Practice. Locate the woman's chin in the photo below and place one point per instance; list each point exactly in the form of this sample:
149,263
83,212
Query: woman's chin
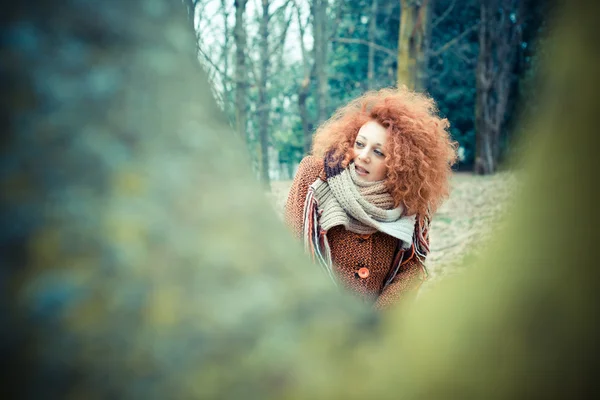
363,178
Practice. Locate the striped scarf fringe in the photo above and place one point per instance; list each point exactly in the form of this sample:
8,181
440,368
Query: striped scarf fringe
315,238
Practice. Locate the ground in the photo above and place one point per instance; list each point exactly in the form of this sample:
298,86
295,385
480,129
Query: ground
463,222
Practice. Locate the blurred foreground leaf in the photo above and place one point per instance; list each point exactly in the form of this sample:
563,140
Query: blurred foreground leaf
139,259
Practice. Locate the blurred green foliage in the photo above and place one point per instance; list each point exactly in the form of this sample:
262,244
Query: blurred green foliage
139,259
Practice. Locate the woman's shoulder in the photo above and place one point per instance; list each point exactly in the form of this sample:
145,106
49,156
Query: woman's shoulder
310,165
311,162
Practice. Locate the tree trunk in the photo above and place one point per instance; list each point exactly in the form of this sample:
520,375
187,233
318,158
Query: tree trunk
498,46
320,46
372,39
241,78
225,60
484,160
263,105
306,126
423,50
304,86
412,42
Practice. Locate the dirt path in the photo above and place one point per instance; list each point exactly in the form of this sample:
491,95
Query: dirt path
463,222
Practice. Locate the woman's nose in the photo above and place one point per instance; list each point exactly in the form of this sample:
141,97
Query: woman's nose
363,155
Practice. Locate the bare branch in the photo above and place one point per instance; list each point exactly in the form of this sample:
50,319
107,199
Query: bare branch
208,18
444,15
302,28
366,43
210,62
419,23
281,39
280,9
465,59
308,18
453,41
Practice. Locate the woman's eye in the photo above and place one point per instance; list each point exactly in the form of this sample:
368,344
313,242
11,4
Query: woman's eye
379,153
359,144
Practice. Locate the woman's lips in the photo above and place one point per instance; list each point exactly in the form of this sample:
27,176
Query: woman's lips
361,171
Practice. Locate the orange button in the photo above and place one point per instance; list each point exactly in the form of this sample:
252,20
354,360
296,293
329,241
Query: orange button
363,272
366,236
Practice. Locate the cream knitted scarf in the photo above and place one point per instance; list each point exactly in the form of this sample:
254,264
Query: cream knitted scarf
361,207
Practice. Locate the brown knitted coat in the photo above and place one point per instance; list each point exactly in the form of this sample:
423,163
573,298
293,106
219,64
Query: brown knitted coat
352,252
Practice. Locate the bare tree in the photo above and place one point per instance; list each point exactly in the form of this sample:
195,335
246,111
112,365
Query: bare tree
241,84
263,100
372,32
315,67
225,57
499,35
320,47
413,41
413,60
267,51
214,23
304,86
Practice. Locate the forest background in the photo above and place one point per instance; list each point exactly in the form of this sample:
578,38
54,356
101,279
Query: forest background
279,68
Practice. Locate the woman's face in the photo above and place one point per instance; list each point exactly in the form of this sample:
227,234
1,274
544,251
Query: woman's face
369,153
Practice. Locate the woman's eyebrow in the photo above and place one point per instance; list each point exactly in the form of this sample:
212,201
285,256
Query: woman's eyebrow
364,138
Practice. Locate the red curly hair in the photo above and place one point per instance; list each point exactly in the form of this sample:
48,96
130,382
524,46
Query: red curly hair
419,149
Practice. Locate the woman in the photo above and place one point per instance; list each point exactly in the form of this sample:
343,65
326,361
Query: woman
362,201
